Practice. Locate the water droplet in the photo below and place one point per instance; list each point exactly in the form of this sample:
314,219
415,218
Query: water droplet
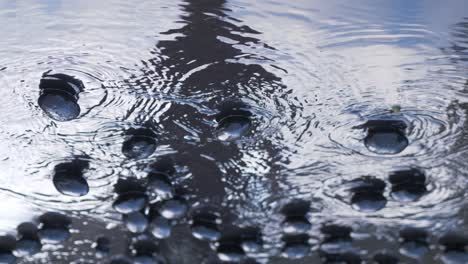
385,136
368,195
68,178
160,228
54,229
130,202
136,222
296,225
414,243
408,185
140,143
59,96
173,209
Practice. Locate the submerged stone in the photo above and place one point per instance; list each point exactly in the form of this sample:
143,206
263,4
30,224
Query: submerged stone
414,243
140,143
59,96
367,195
233,121
136,222
68,178
130,202
205,225
173,209
296,246
160,184
27,247
7,244
296,225
102,246
408,185
230,253
54,228
160,227
385,136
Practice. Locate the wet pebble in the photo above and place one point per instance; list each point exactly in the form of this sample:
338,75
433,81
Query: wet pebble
59,96
204,225
140,143
173,209
408,184
54,228
130,202
68,178
367,195
160,227
385,136
28,242
413,243
296,247
136,222
102,246
296,225
160,184
233,121
337,238
230,253
455,248
7,244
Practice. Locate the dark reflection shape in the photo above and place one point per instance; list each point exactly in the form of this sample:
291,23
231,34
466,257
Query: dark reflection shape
384,258
252,241
408,184
173,209
68,178
7,244
230,252
130,202
145,251
139,143
336,238
136,222
59,96
233,121
346,258
296,225
205,225
160,227
296,247
413,243
368,194
385,136
102,246
54,228
455,248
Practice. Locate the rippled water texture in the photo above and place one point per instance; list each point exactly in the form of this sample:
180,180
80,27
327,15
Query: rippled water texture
209,131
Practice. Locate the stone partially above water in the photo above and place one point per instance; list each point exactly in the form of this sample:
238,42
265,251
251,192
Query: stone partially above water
139,144
59,96
233,121
385,137
68,178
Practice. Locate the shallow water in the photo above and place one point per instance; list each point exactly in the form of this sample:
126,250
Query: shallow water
195,119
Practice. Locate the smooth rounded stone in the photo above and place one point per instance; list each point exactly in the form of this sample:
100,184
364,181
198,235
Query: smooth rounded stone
454,257
139,147
130,202
160,228
383,258
385,136
408,185
414,243
6,257
71,186
50,235
251,246
27,247
295,250
230,253
233,128
27,229
102,246
160,184
206,232
173,209
368,202
54,228
296,225
136,222
59,106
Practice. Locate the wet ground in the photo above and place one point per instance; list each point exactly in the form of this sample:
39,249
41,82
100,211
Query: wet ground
212,131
